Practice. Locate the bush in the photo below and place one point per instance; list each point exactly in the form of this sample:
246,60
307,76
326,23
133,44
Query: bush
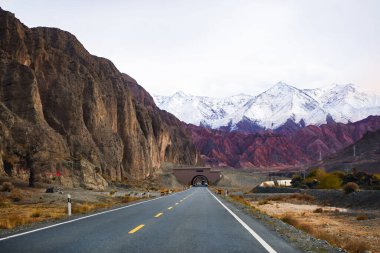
316,174
330,181
112,192
296,181
351,187
318,210
35,214
7,187
362,217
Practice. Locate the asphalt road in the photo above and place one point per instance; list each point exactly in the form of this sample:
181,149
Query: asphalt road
194,220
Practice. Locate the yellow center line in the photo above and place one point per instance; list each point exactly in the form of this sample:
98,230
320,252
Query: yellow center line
170,208
136,229
158,215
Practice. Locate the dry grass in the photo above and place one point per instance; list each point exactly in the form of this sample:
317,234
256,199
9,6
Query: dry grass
349,244
291,220
127,198
83,207
16,215
240,199
296,196
263,202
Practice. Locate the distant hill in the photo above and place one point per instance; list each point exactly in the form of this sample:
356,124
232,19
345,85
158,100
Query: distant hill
280,149
367,155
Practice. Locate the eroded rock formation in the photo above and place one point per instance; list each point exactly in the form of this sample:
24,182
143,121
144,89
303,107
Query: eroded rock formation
283,148
67,114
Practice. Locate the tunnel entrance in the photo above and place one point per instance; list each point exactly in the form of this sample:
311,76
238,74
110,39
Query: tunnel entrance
199,180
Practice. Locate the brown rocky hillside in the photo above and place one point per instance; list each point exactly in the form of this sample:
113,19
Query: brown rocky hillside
68,114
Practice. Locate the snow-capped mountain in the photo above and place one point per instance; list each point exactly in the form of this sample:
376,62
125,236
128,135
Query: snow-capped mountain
272,108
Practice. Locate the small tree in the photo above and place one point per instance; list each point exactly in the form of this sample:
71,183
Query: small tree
330,181
296,181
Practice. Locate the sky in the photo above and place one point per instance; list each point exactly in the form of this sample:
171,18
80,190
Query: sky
220,48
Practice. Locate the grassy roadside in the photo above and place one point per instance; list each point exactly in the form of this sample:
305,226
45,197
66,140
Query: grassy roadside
21,206
276,222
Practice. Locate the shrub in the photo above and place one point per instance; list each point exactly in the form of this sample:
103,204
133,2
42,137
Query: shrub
316,174
16,195
318,210
362,217
127,198
296,181
330,181
263,202
83,208
351,187
112,192
356,246
7,187
35,214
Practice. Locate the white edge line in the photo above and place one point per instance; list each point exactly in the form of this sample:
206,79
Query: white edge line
85,217
250,230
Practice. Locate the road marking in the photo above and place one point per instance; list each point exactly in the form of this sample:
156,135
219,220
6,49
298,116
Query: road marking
136,229
250,230
158,215
177,203
170,208
85,217
181,200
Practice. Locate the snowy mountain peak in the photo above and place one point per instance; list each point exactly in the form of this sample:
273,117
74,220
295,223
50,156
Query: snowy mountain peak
280,88
180,94
274,107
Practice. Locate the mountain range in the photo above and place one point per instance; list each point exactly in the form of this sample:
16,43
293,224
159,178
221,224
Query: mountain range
280,149
273,108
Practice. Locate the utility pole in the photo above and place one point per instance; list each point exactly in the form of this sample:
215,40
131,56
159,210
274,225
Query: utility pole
354,150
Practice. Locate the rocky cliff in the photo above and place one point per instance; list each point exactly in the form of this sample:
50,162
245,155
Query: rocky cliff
71,116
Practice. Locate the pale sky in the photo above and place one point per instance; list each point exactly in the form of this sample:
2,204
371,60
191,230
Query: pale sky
221,48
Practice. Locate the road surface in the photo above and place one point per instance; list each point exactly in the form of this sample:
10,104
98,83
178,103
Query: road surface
193,221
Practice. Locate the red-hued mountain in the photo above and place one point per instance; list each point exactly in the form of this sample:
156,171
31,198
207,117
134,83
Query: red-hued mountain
240,150
278,149
331,138
366,158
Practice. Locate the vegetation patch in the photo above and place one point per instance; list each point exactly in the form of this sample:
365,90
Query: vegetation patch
351,187
320,179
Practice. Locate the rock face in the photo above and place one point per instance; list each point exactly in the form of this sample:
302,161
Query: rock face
331,138
68,114
367,155
240,150
284,148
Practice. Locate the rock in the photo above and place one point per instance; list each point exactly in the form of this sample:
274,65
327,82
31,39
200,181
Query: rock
91,178
75,113
50,190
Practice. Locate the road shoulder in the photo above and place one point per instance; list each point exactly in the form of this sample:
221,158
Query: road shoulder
276,232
